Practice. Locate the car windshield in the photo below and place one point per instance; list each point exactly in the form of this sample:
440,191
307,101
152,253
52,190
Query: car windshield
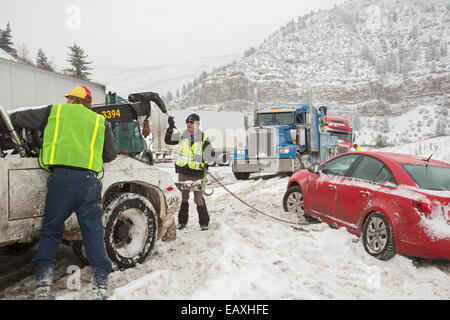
429,177
276,118
341,135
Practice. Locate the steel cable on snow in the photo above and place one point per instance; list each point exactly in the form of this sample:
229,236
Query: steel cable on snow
252,207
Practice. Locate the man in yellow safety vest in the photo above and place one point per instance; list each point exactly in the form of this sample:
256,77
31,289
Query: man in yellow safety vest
357,147
76,143
193,148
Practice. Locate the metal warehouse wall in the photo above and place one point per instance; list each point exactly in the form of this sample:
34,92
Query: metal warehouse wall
22,85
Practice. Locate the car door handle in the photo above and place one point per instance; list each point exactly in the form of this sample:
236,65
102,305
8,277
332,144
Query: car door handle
365,193
332,187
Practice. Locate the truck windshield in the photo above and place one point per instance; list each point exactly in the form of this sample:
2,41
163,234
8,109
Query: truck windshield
276,118
429,177
341,135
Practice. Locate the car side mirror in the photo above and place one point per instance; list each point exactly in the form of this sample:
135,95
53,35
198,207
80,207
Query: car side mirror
314,169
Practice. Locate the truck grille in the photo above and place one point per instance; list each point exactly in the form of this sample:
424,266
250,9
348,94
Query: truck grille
262,143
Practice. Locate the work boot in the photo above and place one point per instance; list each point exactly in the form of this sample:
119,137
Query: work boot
100,292
43,293
183,215
203,217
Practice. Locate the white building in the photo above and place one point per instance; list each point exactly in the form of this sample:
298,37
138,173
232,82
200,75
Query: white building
22,85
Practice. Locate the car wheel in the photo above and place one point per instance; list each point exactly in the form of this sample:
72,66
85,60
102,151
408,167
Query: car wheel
241,175
224,160
293,202
378,237
131,229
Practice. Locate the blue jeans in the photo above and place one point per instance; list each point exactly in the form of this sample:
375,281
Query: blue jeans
80,192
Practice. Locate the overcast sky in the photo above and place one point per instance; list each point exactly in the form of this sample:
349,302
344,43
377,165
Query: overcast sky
133,33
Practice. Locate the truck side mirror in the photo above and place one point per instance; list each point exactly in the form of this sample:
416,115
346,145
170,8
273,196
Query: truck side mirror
314,169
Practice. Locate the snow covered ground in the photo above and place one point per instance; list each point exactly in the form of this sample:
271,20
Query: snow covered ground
245,255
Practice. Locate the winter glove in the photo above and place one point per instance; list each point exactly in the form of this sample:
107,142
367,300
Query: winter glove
146,129
171,122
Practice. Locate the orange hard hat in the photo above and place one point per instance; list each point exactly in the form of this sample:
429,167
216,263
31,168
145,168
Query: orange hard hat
80,92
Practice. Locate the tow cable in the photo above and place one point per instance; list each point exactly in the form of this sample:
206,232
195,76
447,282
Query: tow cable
249,205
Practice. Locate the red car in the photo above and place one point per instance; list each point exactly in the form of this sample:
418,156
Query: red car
396,203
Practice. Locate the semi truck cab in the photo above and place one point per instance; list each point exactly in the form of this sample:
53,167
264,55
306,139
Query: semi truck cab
339,127
285,138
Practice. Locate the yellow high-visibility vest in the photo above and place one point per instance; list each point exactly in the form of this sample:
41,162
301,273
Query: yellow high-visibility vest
190,155
74,136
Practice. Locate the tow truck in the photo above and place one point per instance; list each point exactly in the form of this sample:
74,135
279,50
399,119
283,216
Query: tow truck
139,200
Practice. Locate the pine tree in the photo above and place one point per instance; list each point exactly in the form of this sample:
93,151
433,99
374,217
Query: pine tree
184,90
178,93
79,65
6,40
42,61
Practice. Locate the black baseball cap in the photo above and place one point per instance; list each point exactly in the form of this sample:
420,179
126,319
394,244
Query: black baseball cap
193,117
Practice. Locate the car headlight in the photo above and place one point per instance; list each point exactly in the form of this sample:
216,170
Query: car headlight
285,150
240,152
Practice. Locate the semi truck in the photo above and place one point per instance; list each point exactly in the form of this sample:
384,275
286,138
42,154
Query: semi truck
139,200
339,127
285,138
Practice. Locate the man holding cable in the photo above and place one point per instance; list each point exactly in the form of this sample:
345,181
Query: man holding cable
193,148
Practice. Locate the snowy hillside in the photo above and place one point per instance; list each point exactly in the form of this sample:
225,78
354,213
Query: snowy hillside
370,60
161,79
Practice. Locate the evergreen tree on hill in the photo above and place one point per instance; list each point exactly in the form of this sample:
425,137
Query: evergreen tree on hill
42,61
6,40
79,65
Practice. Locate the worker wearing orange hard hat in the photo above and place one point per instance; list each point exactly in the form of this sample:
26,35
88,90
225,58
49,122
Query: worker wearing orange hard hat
80,95
76,143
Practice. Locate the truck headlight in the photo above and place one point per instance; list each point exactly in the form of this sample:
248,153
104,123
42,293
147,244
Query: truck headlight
285,150
240,152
